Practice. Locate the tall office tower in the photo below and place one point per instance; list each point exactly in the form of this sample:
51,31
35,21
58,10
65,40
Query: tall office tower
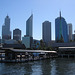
70,31
46,32
17,34
61,29
6,33
29,26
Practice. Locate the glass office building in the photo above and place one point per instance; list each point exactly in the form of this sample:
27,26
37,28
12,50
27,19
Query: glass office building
29,26
61,29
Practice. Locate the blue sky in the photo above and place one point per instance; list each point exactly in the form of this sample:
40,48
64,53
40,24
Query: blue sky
20,10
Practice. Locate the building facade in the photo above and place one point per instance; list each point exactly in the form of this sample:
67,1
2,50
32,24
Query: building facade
17,34
70,31
46,32
73,37
61,29
27,41
11,41
29,26
6,33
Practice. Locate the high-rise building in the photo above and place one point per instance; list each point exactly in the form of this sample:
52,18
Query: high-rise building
73,37
29,26
46,32
61,29
6,33
70,31
17,34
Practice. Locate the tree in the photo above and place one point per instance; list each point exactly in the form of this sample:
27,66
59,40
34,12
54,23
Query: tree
70,40
61,39
49,48
42,45
19,41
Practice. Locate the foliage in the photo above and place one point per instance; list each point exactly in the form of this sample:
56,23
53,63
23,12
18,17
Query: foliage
61,40
49,48
43,46
70,40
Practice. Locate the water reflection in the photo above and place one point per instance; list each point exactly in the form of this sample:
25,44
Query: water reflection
45,67
65,66
53,67
59,66
37,68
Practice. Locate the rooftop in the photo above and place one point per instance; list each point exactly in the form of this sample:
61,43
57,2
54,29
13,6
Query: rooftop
33,51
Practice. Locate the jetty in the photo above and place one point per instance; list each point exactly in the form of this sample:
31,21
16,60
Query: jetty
20,55
66,52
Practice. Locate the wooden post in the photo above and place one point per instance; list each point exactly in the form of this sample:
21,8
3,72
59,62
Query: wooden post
20,56
15,57
1,56
68,55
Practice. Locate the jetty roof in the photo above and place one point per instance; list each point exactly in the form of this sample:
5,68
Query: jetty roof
66,47
33,51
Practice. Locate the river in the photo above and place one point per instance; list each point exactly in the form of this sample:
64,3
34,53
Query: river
57,66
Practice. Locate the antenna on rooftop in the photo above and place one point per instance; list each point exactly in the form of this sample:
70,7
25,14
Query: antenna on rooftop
60,14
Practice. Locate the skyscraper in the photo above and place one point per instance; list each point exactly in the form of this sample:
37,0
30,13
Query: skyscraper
29,26
70,31
46,32
17,34
61,29
6,33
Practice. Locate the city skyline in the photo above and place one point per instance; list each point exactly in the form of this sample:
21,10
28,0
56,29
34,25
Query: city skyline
19,11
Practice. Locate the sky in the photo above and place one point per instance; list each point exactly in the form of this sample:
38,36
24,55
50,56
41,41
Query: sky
20,10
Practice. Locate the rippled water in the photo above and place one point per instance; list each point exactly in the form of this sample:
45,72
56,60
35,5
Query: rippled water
58,66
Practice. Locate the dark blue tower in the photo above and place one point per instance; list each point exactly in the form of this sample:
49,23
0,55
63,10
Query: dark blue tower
61,29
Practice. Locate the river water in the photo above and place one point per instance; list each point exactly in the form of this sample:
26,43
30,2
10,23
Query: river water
57,66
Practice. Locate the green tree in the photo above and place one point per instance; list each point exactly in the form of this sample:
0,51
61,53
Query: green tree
61,39
70,40
49,48
42,45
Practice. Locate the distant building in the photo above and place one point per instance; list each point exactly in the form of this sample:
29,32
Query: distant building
27,41
46,32
0,40
17,34
6,33
61,29
73,37
29,26
70,31
67,44
15,46
11,41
